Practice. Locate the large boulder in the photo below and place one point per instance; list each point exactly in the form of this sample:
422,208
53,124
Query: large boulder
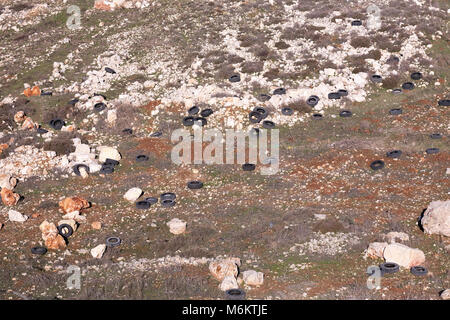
226,267
376,249
436,219
229,282
403,255
73,204
108,153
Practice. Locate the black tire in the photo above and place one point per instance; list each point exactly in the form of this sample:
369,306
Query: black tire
436,136
255,117
111,162
268,124
127,131
167,203
46,93
193,110
356,23
41,130
235,78
106,170
377,165
152,200
343,92
416,76
419,271
248,167
345,114
408,86
99,107
195,185
432,150
334,95
286,111
444,102
62,230
76,169
312,101
113,242
168,196
264,113
57,124
200,121
394,154
279,91
141,158
109,70
206,112
395,111
39,250
188,121
376,78
143,205
235,294
389,268
317,116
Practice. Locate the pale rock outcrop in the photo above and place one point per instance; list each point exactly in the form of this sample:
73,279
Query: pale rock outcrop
253,278
436,219
403,255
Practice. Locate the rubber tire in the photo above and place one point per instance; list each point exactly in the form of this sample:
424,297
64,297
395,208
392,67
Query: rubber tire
235,294
279,91
268,124
334,96
394,154
206,113
345,114
432,150
76,168
143,205
408,86
377,165
193,110
395,112
248,167
195,185
419,271
113,242
98,107
255,117
188,121
63,226
168,196
235,78
39,250
286,111
141,158
167,203
389,268
312,101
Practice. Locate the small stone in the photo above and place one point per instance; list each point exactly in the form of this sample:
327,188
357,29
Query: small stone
75,215
229,282
56,242
177,226
96,225
393,236
403,255
16,216
133,194
7,182
70,222
48,230
108,153
73,204
253,278
9,198
98,251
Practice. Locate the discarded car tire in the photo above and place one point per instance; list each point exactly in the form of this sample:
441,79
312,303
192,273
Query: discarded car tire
334,95
235,78
408,86
167,203
268,124
312,101
193,110
188,121
200,121
416,76
111,162
156,134
286,111
432,150
444,102
41,131
343,92
143,204
436,136
46,93
206,113
57,124
248,167
389,267
376,78
395,111
345,113
168,196
195,185
99,106
317,116
419,271
39,250
356,23
255,117
264,113
377,165
76,169
142,158
279,91
235,294
106,170
127,131
73,101
113,242
65,230
109,70
394,154
151,200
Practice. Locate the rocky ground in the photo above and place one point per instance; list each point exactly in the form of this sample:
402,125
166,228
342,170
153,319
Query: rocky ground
310,231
